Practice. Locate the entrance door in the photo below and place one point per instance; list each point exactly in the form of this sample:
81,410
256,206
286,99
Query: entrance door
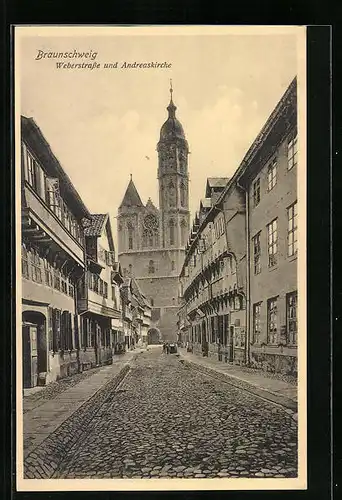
231,343
30,355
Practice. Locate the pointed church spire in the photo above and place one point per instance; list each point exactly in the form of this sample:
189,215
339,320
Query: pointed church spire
171,107
131,198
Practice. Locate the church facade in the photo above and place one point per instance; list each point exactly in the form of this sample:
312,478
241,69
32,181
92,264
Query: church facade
151,240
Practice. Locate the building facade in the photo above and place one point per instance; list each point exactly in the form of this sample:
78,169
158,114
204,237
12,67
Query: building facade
98,294
213,279
52,255
151,240
239,279
270,180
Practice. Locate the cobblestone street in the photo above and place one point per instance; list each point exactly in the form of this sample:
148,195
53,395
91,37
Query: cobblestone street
166,419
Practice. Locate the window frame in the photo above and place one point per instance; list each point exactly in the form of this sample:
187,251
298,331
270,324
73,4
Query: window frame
32,171
272,243
257,255
292,151
292,337
272,174
36,266
25,264
256,192
292,231
256,333
272,309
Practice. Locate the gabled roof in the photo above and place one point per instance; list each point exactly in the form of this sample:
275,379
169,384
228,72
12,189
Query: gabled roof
205,203
95,225
216,184
131,198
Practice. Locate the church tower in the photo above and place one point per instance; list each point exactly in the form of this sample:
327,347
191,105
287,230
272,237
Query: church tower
173,151
151,240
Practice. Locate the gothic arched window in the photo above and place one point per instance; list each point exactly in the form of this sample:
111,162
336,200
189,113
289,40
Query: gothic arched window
172,232
151,268
184,232
150,232
182,194
130,236
172,194
173,266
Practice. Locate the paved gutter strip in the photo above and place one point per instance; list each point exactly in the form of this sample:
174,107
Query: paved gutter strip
278,399
43,461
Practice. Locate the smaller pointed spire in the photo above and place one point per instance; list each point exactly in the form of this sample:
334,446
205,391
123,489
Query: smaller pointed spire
131,198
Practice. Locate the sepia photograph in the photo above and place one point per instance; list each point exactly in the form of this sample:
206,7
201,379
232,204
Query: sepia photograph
161,258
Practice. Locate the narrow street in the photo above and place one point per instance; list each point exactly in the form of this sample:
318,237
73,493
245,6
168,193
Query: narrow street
166,419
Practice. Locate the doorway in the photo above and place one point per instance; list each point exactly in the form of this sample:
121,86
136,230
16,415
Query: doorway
153,336
35,347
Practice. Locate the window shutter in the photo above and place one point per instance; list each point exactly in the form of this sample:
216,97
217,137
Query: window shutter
64,330
54,330
77,335
70,339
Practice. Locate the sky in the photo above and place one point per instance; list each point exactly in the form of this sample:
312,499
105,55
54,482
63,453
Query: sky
101,124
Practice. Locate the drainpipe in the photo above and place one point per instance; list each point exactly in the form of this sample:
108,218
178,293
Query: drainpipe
248,294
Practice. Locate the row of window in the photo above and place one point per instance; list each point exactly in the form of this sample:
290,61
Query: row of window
272,240
219,227
272,170
98,285
151,268
47,274
93,334
48,189
235,303
151,237
63,335
218,331
274,335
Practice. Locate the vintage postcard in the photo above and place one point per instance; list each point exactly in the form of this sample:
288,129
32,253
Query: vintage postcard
161,258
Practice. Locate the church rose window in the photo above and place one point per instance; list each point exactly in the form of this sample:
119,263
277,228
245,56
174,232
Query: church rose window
151,222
